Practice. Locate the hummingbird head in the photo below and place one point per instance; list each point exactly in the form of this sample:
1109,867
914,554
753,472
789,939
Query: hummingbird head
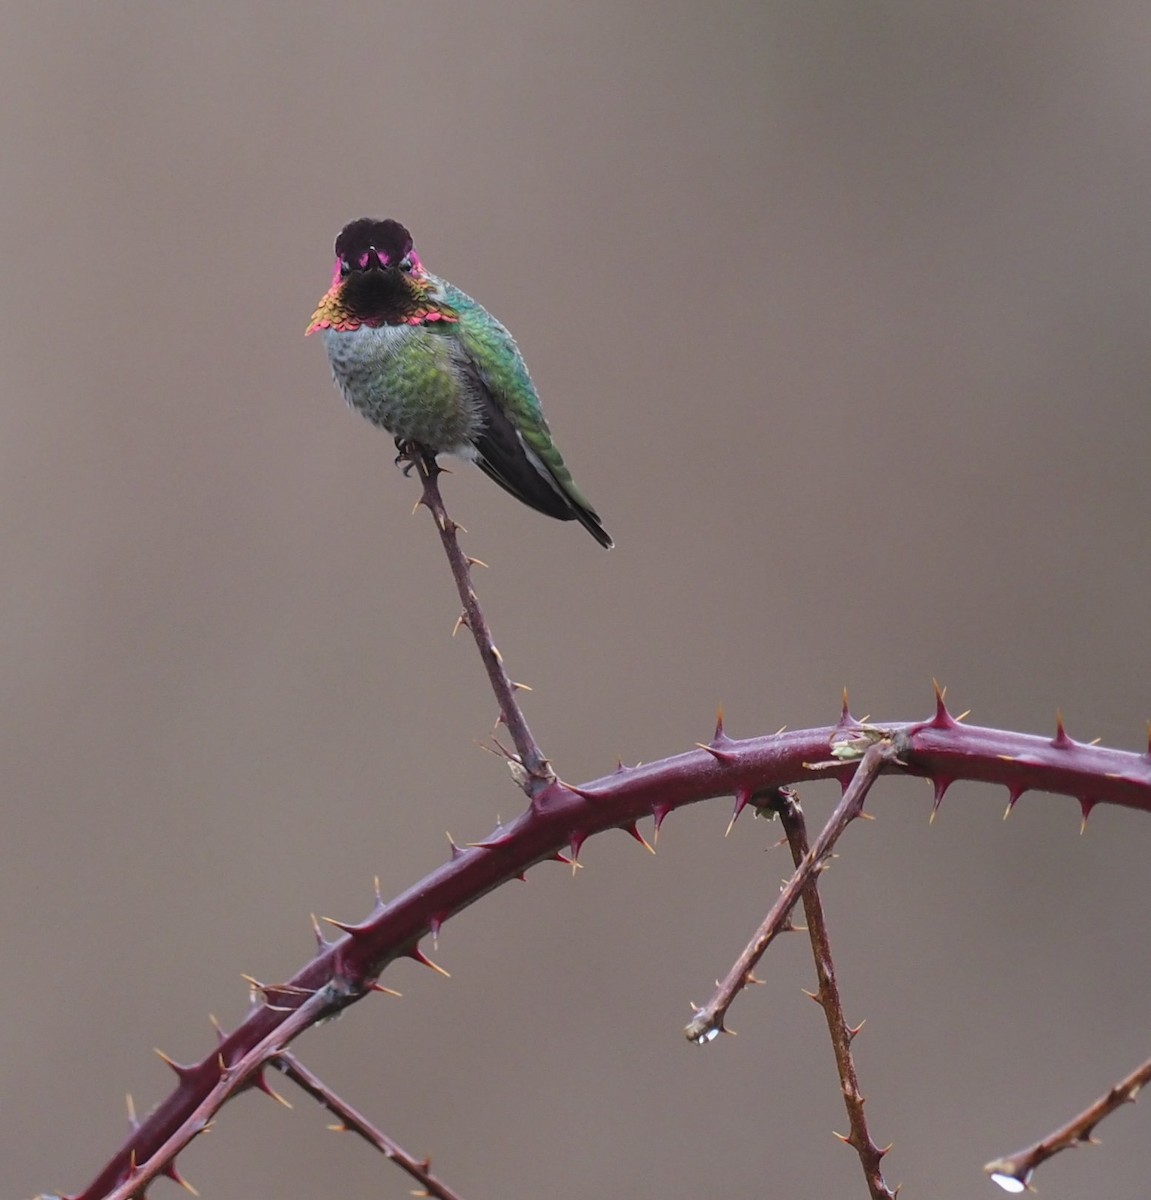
378,280
368,245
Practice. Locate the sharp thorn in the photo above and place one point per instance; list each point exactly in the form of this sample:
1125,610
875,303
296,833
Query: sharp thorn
1061,741
1085,805
342,926
743,797
942,719
416,953
721,756
177,1177
583,793
940,786
633,830
261,1081
181,1069
1013,794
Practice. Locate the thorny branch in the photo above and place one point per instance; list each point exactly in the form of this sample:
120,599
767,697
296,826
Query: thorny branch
939,749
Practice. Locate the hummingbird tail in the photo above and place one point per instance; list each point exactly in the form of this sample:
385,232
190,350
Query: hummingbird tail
518,471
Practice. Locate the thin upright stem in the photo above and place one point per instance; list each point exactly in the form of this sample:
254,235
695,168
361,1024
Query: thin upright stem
827,996
538,772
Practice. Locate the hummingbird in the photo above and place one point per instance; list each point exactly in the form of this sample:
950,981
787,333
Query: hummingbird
435,369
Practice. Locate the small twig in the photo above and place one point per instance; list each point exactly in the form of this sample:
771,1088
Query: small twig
707,1023
842,1034
538,770
1014,1172
356,1122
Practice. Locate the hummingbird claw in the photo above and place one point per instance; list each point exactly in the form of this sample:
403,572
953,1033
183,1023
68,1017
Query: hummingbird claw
412,452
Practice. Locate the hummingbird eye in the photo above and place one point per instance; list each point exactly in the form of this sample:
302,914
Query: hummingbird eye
406,265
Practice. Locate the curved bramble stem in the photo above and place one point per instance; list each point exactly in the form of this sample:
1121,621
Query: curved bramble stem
940,750
1014,1172
707,1023
356,1122
538,771
827,997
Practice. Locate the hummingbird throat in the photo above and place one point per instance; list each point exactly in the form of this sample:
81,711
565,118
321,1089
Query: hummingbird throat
375,298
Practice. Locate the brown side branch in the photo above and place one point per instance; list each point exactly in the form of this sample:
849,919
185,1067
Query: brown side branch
707,1023
1014,1172
355,1122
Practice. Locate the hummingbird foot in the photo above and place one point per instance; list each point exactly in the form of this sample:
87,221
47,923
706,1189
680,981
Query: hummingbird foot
411,452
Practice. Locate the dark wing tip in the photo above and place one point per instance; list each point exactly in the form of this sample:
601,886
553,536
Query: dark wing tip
591,522
505,462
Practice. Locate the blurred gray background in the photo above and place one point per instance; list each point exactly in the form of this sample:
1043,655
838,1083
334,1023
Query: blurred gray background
839,312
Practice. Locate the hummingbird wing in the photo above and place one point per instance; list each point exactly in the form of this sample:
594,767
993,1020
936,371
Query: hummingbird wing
515,446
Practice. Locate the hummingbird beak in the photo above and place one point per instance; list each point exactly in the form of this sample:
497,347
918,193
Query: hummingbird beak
370,260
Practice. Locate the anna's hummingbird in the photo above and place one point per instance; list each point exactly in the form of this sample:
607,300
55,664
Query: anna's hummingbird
438,371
